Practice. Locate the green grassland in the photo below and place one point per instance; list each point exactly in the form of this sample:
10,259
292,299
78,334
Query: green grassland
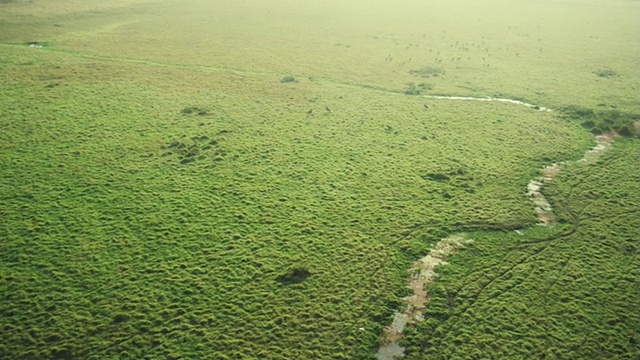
240,179
565,294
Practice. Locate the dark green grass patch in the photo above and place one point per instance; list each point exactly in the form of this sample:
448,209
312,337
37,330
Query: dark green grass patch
427,71
600,121
288,79
606,73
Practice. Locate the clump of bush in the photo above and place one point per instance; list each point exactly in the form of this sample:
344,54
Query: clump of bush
288,79
436,177
195,110
427,71
413,89
199,149
295,274
603,121
37,44
606,73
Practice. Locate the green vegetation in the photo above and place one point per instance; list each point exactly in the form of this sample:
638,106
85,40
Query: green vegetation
163,198
195,110
604,121
413,89
427,71
288,79
606,73
569,292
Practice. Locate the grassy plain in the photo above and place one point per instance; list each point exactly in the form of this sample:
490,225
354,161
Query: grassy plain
165,195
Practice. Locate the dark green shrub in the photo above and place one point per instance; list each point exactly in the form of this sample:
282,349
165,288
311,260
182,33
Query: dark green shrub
294,275
427,71
35,43
436,177
606,73
288,79
413,89
195,110
602,121
120,318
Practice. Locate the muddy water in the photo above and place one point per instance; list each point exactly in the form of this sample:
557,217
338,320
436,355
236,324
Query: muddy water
543,209
469,98
423,272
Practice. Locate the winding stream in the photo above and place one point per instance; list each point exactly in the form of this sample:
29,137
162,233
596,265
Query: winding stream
422,274
541,205
423,271
470,98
